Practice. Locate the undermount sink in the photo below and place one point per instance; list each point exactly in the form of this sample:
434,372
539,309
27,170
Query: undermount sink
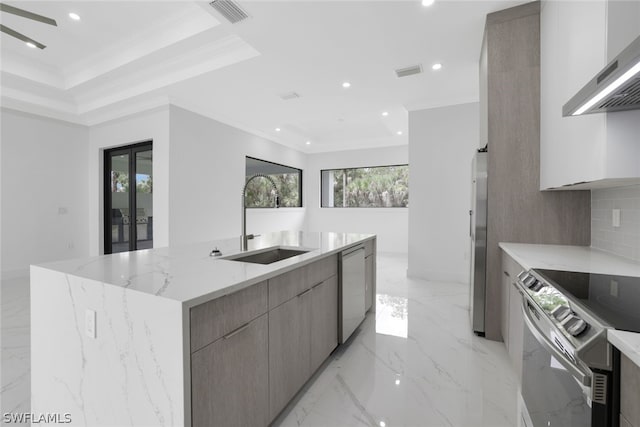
267,257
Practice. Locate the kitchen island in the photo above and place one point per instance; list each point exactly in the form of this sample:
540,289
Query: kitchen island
174,336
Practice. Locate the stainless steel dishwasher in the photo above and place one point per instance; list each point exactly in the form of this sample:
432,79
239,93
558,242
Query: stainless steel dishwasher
352,291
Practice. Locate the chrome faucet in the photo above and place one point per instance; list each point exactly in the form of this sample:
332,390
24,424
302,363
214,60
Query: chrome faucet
244,238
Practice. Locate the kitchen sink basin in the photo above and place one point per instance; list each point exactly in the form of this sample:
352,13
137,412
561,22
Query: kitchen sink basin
267,257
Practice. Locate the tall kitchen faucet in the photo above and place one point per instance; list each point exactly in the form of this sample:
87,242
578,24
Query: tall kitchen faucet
244,238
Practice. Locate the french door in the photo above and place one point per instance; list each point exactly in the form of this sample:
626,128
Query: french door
128,198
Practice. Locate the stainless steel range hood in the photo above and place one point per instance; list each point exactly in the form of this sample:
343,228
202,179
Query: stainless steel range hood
615,88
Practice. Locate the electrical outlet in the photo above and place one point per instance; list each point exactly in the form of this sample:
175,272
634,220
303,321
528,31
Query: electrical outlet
615,218
90,323
613,288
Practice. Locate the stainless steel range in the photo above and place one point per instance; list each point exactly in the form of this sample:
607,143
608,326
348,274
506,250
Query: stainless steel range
570,371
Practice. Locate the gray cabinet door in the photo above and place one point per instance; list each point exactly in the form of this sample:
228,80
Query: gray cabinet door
369,275
324,321
289,350
630,391
229,379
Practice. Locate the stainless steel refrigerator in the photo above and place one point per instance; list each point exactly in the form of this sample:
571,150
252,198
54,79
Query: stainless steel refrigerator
478,234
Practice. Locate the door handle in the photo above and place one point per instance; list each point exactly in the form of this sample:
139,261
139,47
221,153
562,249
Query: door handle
581,376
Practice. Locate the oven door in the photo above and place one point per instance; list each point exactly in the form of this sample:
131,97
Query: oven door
555,390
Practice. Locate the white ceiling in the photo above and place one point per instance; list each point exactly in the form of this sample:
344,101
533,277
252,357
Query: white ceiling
126,56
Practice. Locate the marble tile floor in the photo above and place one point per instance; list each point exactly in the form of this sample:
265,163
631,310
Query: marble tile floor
15,379
414,363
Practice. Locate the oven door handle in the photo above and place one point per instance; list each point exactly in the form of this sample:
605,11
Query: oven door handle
581,376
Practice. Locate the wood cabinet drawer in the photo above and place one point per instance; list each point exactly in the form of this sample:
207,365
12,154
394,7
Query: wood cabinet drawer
630,390
321,270
215,318
286,286
245,305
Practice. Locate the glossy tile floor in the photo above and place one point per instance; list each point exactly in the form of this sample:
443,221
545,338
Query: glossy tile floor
414,363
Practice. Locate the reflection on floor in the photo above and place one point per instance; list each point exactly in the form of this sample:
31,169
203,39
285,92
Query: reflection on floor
415,363
15,375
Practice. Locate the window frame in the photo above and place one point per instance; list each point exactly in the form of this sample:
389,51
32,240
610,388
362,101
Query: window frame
300,186
358,207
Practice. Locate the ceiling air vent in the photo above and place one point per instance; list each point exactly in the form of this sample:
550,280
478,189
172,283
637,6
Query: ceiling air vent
289,95
409,71
230,10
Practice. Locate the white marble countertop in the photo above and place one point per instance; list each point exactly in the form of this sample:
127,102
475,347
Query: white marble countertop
582,259
570,258
188,274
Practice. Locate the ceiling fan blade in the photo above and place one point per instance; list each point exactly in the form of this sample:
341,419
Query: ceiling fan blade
27,14
19,36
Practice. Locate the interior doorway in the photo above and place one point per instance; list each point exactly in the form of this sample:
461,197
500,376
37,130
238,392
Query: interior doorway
128,198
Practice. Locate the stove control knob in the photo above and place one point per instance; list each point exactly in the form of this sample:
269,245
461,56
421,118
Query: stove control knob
561,312
577,327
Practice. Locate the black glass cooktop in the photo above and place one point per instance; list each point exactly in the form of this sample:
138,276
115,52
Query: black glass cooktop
613,299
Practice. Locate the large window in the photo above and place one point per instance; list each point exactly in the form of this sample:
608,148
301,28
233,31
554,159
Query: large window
260,192
375,187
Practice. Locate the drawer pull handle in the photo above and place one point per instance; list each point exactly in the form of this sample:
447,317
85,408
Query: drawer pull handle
506,273
302,293
316,285
237,331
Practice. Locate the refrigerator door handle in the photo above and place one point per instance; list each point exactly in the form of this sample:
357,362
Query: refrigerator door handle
471,223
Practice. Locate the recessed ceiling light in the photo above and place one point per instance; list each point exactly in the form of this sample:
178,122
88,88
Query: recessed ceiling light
31,45
399,132
346,85
427,2
382,424
385,113
436,66
397,382
277,129
308,142
74,16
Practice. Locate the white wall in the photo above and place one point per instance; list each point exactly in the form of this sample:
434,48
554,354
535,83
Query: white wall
442,142
151,125
207,175
44,191
390,224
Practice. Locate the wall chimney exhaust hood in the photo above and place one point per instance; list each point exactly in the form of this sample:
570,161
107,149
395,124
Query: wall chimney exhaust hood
616,88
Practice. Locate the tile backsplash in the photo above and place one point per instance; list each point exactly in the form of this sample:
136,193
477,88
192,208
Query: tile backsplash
624,240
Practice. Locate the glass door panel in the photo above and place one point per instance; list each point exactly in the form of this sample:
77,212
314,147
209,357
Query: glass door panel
144,199
128,198
119,212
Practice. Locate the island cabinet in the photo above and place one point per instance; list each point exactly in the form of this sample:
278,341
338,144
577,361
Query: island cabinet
629,393
512,322
303,330
229,360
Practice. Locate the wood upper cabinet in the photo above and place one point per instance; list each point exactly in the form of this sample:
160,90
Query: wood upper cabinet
289,350
577,40
230,379
324,321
